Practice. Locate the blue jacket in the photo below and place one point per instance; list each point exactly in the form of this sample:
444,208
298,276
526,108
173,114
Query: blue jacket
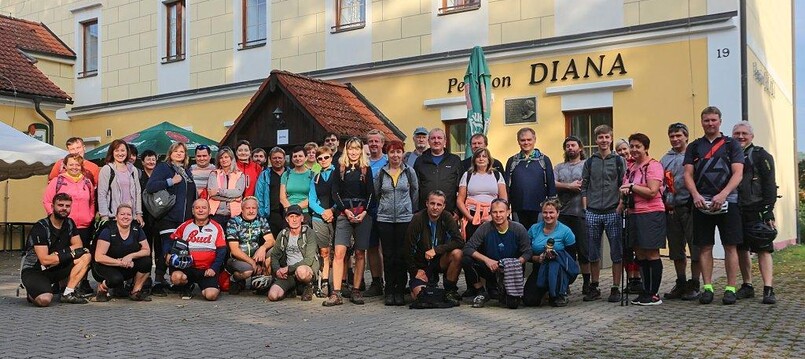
529,183
262,193
185,191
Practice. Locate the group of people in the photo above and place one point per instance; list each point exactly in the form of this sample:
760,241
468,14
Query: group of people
309,226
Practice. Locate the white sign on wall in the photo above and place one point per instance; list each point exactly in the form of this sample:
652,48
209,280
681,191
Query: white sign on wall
282,137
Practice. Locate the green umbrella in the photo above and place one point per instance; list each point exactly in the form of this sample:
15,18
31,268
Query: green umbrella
158,139
477,90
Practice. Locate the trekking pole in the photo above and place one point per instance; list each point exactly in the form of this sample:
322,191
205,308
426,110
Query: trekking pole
625,242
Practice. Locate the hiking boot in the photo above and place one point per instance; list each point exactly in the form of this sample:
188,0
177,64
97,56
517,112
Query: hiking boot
729,298
357,297
510,301
374,290
139,296
585,288
635,286
453,298
559,301
471,292
333,300
159,290
73,298
648,300
236,286
614,295
346,292
691,290
102,296
399,299
706,297
85,289
677,292
186,292
307,293
480,300
746,291
593,294
768,296
389,300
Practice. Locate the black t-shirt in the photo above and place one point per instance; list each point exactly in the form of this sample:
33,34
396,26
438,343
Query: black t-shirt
120,247
274,190
43,233
712,163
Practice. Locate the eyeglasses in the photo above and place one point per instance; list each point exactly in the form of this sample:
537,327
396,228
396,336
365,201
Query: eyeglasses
323,158
332,139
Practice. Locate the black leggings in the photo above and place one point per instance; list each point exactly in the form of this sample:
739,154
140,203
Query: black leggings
392,239
115,276
475,270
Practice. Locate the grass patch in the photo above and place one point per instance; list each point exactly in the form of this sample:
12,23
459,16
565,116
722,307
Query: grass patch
789,263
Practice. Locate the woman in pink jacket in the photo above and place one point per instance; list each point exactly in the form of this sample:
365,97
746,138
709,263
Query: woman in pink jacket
80,188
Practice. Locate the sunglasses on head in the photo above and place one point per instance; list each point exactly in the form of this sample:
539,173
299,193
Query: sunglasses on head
202,147
677,126
323,158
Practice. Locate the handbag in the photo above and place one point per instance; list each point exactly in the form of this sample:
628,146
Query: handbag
159,202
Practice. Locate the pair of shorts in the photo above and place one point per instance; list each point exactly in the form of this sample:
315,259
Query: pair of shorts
195,275
597,223
577,225
679,224
324,233
729,227
432,272
38,282
345,231
236,265
647,230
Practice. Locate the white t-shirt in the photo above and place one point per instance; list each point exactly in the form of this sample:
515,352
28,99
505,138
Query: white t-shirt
483,187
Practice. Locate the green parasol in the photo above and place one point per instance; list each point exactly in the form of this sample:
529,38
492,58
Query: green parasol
477,90
158,139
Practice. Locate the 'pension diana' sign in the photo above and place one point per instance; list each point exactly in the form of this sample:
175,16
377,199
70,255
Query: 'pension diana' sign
558,71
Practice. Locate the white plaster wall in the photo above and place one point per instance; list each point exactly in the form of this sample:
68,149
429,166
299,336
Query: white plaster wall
576,17
458,31
348,47
254,63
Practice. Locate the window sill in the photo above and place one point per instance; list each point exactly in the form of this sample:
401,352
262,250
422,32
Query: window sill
347,27
83,75
171,59
457,9
251,44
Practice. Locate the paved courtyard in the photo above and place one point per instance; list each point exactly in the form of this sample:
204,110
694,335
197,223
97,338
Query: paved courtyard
248,326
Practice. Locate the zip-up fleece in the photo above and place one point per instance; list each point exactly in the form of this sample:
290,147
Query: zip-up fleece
601,179
396,204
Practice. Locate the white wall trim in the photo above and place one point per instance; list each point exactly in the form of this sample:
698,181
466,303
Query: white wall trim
229,123
587,101
56,59
614,85
96,139
85,6
444,101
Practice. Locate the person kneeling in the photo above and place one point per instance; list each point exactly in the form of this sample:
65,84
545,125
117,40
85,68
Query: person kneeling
196,253
122,253
294,258
54,253
433,245
248,258
496,253
554,247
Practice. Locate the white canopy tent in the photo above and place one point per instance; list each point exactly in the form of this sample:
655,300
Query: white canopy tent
22,156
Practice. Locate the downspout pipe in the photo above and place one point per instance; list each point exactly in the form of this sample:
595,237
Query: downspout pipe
37,101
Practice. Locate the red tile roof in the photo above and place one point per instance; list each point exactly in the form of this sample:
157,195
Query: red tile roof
339,108
17,71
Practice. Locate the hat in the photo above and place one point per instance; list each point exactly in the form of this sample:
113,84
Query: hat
420,131
293,209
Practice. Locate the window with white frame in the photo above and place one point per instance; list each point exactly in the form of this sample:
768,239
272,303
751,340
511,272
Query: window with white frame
175,21
253,23
89,44
349,15
454,6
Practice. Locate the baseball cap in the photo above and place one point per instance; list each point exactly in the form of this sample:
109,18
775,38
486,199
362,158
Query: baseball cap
293,209
420,131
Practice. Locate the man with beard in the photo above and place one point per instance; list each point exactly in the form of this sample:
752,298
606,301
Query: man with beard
54,253
568,176
259,157
420,145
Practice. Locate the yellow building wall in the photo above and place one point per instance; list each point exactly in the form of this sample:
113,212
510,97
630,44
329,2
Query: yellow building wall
297,35
658,98
638,12
516,20
128,49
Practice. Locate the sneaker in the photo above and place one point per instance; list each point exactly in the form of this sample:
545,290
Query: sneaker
636,301
729,298
746,291
614,295
471,292
374,290
768,297
559,301
346,292
593,294
691,290
480,300
159,290
389,300
453,298
635,286
85,289
706,297
73,298
399,299
139,296
186,293
333,300
307,293
649,300
357,297
102,297
677,292
236,286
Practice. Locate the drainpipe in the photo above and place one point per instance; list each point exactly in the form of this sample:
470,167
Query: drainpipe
37,101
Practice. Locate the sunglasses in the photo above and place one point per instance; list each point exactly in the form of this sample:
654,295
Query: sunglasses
677,126
203,147
323,158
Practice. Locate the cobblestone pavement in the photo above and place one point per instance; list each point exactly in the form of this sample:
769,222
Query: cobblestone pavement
248,326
